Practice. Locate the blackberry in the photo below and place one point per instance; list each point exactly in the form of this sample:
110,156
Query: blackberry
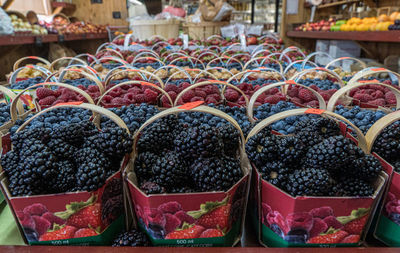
169,170
354,187
10,161
21,139
150,187
61,148
309,182
387,145
262,149
194,142
309,138
65,180
144,164
323,126
159,135
291,150
112,209
113,142
230,138
112,189
216,174
75,133
91,176
276,173
182,189
366,168
133,238
334,154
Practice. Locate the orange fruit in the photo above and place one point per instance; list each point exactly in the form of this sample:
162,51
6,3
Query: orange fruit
393,16
383,18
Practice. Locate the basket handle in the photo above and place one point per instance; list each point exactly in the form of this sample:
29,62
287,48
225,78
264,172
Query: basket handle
308,58
293,49
13,77
85,74
207,72
71,59
214,82
40,59
222,70
295,62
118,54
332,101
135,82
88,56
300,74
263,58
190,58
144,72
185,108
362,143
122,67
253,99
73,88
261,69
372,71
94,108
379,126
146,54
221,58
148,58
179,70
111,58
363,65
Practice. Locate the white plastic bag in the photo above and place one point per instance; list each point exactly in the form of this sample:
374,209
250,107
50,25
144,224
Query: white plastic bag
5,23
223,12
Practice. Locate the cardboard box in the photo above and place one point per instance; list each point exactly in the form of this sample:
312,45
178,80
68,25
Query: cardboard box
343,48
322,46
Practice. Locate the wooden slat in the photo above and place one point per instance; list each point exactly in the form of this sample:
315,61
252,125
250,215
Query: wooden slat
384,36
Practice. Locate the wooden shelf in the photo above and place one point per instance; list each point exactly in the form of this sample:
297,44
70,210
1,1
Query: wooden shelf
59,6
336,4
68,249
8,40
385,36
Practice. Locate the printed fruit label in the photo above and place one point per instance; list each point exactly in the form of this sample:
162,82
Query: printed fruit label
388,226
199,219
81,218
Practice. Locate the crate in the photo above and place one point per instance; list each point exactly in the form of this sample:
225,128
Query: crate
387,10
145,29
203,30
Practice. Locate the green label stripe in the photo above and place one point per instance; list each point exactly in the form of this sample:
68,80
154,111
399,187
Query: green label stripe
388,231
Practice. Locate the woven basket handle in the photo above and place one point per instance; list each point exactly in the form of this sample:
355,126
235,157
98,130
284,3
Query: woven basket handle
264,58
71,59
144,72
299,75
40,59
85,74
363,65
14,75
371,71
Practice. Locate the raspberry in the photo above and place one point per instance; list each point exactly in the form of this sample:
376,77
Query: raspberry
300,220
313,103
378,102
390,98
272,99
184,217
306,95
93,88
319,226
117,101
26,220
261,98
155,217
200,93
296,100
135,90
53,219
354,91
322,212
331,221
151,96
47,100
129,96
41,224
362,97
325,95
197,99
185,85
273,91
188,95
107,99
215,96
170,207
378,94
314,87
231,95
171,87
171,222
115,93
274,217
293,92
211,100
44,92
140,98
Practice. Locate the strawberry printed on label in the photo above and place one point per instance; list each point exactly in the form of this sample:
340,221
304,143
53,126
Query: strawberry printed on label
187,232
331,237
354,224
59,233
213,215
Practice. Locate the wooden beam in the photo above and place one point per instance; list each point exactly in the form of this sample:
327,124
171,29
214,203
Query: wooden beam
7,4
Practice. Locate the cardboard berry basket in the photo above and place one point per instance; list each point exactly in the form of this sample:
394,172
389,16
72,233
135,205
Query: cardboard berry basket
284,87
151,219
387,228
35,101
28,95
35,58
100,102
278,216
40,217
373,71
260,61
